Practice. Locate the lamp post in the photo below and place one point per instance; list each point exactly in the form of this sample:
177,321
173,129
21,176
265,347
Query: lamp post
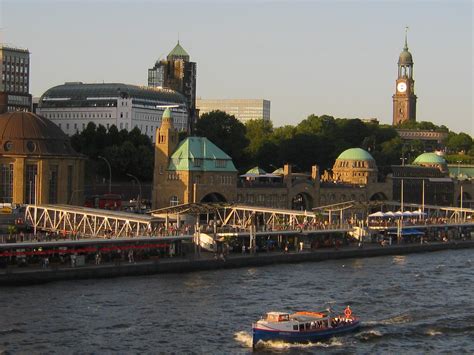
402,182
139,200
110,172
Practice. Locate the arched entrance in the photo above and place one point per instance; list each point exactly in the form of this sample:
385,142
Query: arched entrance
379,196
301,202
213,197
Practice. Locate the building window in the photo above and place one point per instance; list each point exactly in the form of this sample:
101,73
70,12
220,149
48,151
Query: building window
53,184
174,201
197,162
31,173
221,163
6,183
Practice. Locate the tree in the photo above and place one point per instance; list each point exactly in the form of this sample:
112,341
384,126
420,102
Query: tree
461,142
225,131
257,133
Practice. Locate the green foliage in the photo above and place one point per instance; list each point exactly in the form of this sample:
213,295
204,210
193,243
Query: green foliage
225,131
457,143
422,125
127,152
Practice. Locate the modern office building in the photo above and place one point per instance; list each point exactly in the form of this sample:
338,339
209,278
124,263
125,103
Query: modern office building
15,79
242,109
177,73
73,105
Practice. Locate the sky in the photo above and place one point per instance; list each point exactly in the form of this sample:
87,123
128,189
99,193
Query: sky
307,57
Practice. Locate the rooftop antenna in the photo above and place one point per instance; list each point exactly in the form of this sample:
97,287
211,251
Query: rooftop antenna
178,37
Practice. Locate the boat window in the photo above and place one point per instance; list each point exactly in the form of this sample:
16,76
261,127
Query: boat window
301,327
295,327
308,326
284,317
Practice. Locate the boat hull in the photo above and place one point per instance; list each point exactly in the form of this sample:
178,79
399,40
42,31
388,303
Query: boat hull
302,337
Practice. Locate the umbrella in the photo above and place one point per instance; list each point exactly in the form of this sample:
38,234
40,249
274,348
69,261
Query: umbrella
398,214
408,214
377,214
389,214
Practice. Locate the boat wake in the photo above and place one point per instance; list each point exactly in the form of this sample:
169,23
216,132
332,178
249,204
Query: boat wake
397,319
245,338
368,335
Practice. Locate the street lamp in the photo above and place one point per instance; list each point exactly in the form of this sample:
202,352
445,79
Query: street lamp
139,200
402,182
110,171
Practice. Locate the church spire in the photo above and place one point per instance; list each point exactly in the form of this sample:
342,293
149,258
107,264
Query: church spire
406,41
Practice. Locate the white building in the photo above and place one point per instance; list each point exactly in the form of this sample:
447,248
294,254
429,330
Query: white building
242,109
73,105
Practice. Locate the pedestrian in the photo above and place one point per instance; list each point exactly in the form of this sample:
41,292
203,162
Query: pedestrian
97,258
243,248
301,246
130,256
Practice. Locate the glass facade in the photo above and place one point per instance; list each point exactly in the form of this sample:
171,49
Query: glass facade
6,183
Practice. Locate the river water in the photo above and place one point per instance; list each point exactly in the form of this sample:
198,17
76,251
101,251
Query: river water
419,303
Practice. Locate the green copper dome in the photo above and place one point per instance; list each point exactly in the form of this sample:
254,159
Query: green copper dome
179,52
355,154
429,158
167,114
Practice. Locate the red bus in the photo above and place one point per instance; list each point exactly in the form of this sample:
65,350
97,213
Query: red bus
106,202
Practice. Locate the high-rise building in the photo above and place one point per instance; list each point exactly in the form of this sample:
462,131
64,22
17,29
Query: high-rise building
15,79
404,99
178,73
242,109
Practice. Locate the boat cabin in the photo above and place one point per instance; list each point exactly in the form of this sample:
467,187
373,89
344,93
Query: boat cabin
277,317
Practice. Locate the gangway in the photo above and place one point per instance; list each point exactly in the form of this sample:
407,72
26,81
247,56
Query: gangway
90,222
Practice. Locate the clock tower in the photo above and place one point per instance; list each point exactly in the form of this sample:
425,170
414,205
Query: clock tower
404,99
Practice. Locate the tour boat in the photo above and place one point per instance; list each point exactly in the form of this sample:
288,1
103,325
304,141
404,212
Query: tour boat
303,327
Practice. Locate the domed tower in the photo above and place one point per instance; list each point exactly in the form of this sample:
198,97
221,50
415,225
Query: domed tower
404,99
355,166
166,141
37,162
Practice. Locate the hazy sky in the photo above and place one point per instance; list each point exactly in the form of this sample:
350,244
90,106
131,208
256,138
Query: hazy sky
322,57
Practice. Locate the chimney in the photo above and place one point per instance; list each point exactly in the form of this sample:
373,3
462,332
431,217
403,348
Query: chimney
315,172
3,102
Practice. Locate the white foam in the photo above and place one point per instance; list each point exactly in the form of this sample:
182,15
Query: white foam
245,338
433,332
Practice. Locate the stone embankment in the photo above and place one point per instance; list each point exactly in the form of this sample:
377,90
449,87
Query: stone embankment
28,276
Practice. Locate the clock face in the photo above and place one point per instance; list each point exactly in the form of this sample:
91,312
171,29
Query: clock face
402,87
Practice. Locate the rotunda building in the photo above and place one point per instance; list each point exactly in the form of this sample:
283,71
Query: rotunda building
37,162
355,166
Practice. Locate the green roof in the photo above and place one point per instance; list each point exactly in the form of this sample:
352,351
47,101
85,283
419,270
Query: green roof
461,171
200,154
279,171
256,171
429,158
167,113
178,51
355,154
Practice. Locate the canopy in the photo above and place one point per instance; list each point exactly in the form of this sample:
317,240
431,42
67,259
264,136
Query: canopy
377,214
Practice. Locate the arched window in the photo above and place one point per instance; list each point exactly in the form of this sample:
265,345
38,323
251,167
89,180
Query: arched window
174,201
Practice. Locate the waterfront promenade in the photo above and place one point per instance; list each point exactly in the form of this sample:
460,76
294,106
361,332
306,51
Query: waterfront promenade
12,275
